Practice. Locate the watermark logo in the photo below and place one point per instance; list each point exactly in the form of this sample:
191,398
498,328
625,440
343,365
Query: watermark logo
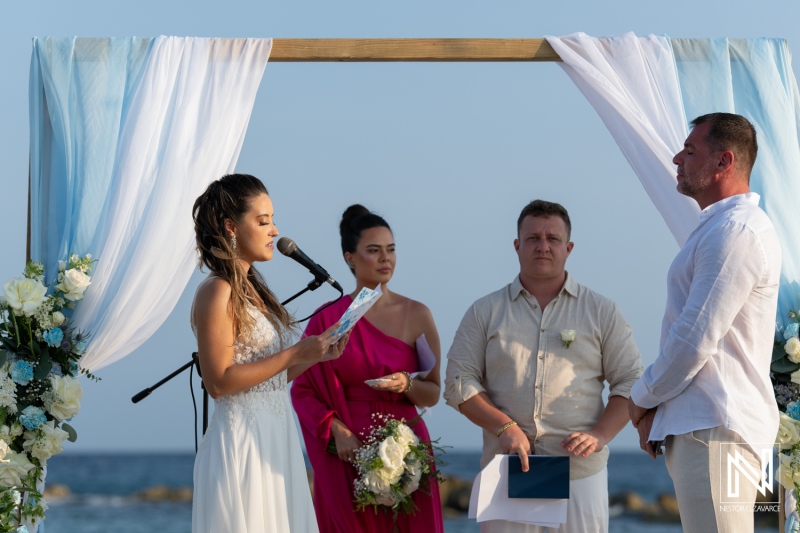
740,472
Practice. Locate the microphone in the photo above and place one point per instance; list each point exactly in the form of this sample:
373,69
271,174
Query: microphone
287,247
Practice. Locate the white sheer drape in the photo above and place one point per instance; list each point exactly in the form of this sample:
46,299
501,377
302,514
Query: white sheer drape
632,84
182,127
187,125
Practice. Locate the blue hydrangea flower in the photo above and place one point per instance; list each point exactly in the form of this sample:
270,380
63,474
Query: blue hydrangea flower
32,417
21,372
793,410
53,337
792,330
21,529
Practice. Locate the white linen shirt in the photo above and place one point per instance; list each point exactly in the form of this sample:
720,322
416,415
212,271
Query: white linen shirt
718,329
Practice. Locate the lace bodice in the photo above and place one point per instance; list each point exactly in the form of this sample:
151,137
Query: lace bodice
264,341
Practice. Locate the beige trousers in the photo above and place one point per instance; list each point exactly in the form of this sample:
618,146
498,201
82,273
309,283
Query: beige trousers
713,496
587,510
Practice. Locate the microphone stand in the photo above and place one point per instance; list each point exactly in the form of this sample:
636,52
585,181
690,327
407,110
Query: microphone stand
313,285
141,395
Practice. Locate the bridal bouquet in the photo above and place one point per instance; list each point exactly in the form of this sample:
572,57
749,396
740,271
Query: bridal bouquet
392,464
39,389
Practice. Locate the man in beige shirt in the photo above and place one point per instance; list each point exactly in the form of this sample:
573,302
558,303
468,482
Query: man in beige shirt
529,362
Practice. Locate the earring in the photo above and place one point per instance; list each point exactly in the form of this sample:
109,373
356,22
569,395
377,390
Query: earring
351,265
233,242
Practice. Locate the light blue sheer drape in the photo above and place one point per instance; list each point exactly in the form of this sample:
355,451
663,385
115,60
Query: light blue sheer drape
754,78
79,90
125,135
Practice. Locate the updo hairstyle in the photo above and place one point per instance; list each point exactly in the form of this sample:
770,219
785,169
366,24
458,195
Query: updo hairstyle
356,219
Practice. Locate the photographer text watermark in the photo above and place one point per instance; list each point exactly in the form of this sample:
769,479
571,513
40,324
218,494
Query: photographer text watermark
740,473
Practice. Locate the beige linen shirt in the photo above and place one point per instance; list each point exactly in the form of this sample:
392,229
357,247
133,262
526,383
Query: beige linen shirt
507,348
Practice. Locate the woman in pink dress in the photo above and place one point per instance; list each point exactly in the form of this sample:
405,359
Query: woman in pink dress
334,404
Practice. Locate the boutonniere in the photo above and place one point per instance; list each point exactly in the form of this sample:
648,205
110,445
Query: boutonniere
567,336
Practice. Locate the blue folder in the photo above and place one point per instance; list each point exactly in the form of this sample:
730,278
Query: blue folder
547,477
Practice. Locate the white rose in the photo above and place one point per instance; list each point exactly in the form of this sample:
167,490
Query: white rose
4,448
50,443
784,474
567,336
24,295
405,437
788,432
375,483
391,453
74,284
67,397
16,430
390,475
13,469
415,473
795,376
792,348
58,318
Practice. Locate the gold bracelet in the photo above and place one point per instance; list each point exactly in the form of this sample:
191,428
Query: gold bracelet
506,426
410,381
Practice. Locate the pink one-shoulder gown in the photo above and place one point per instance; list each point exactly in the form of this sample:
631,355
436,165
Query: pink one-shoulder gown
337,389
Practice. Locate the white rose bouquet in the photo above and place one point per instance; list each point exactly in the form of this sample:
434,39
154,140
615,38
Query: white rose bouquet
39,389
393,464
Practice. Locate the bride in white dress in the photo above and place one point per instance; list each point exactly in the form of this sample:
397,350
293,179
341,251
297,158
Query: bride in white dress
249,474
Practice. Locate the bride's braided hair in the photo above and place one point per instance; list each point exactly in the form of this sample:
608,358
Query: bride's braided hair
229,198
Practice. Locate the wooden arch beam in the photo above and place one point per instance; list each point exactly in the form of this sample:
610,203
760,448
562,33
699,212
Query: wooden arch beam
387,50
425,50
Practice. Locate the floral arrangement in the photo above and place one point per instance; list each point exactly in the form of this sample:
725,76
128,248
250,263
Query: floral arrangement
39,389
786,383
392,464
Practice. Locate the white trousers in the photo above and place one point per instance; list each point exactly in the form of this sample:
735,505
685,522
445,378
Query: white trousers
587,510
697,463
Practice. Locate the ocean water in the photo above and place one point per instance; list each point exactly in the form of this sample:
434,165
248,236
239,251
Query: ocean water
104,488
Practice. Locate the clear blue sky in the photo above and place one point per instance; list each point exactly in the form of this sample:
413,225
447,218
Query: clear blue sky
448,153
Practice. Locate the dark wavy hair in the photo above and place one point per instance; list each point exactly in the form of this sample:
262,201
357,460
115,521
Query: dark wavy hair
230,197
356,219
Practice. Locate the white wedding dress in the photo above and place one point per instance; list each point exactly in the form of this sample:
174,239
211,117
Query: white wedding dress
249,474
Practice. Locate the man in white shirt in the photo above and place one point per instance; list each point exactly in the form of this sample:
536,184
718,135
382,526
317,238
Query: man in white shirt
708,394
